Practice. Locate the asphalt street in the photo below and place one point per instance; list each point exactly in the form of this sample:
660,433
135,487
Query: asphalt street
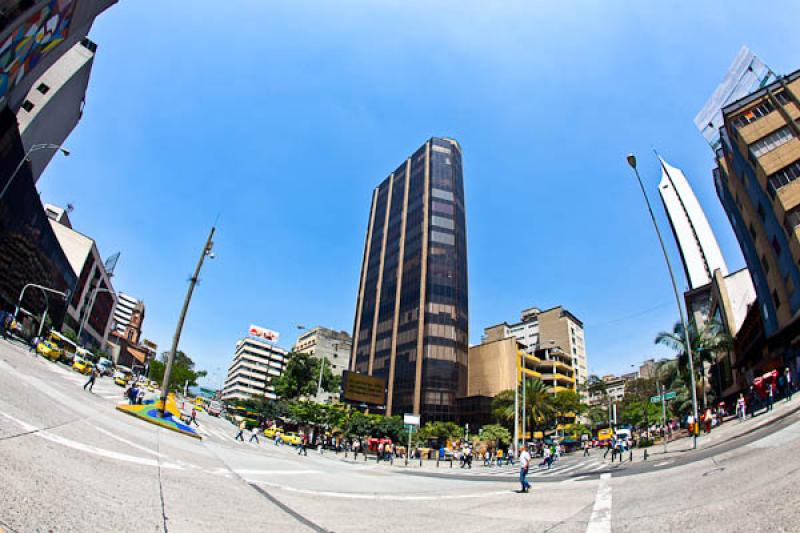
70,462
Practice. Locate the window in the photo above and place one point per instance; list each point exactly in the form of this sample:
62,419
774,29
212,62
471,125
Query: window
442,208
782,98
442,195
785,175
752,231
753,114
443,238
792,220
776,246
776,299
771,141
442,222
765,264
27,106
441,149
760,211
43,88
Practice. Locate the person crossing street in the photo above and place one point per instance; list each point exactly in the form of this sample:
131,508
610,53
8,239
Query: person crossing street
242,427
92,377
524,465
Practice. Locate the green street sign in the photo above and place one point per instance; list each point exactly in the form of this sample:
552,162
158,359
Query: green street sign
667,396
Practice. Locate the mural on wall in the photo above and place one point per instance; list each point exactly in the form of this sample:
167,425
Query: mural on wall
31,41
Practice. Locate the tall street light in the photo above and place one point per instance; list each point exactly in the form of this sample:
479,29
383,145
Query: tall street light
192,282
34,148
632,162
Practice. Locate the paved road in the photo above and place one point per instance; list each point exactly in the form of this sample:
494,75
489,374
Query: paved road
70,462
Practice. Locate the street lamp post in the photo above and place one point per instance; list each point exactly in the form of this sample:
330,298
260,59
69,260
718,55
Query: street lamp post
192,282
632,162
34,148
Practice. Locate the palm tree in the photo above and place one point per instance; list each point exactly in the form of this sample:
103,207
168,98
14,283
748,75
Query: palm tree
539,411
706,342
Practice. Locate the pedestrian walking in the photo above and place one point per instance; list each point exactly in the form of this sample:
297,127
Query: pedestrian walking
586,448
92,377
524,465
787,377
547,458
510,456
770,396
253,436
240,435
609,448
301,449
194,417
707,420
741,408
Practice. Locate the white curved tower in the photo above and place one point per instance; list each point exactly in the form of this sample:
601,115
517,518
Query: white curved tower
699,249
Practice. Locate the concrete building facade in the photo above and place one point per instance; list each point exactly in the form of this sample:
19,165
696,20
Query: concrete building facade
411,323
329,345
758,166
53,107
129,317
256,362
552,328
700,252
91,306
35,34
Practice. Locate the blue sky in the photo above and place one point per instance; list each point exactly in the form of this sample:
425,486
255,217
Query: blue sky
282,116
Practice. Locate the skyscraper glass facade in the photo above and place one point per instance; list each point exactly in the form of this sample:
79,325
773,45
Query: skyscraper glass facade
412,310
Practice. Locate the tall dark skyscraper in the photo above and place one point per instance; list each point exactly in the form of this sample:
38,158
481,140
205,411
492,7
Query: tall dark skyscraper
412,311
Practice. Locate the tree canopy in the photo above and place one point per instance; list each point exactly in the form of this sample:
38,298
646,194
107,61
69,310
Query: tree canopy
301,376
183,371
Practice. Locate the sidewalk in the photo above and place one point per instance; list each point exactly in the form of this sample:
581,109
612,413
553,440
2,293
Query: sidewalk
729,430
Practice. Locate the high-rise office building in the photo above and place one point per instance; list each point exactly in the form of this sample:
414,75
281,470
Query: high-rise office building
757,180
699,249
411,314
255,364
129,316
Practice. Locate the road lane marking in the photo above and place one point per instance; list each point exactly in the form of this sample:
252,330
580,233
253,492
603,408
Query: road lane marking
94,450
600,522
272,472
376,496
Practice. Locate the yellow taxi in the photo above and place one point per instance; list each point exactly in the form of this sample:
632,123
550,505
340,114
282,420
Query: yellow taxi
271,432
291,438
49,350
121,379
79,364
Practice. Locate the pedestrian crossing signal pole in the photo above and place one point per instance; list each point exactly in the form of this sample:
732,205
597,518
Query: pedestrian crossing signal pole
171,358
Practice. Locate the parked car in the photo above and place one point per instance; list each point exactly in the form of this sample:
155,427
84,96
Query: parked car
214,408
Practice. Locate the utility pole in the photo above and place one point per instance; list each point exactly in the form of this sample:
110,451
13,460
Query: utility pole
192,282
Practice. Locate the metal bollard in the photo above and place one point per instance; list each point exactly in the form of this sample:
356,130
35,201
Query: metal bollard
437,462
365,457
420,461
631,457
645,455
451,462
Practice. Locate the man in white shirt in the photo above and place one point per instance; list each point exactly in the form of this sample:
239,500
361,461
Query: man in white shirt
524,463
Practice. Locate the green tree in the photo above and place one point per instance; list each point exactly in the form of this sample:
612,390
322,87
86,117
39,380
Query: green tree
540,412
566,404
182,371
389,426
495,433
706,343
440,431
301,376
358,425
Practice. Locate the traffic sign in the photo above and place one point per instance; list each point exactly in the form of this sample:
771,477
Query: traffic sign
667,396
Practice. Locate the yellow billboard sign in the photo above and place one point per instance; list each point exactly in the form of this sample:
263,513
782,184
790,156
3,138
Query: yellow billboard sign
362,388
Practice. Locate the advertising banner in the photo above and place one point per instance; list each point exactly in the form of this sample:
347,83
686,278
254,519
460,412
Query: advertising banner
263,333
